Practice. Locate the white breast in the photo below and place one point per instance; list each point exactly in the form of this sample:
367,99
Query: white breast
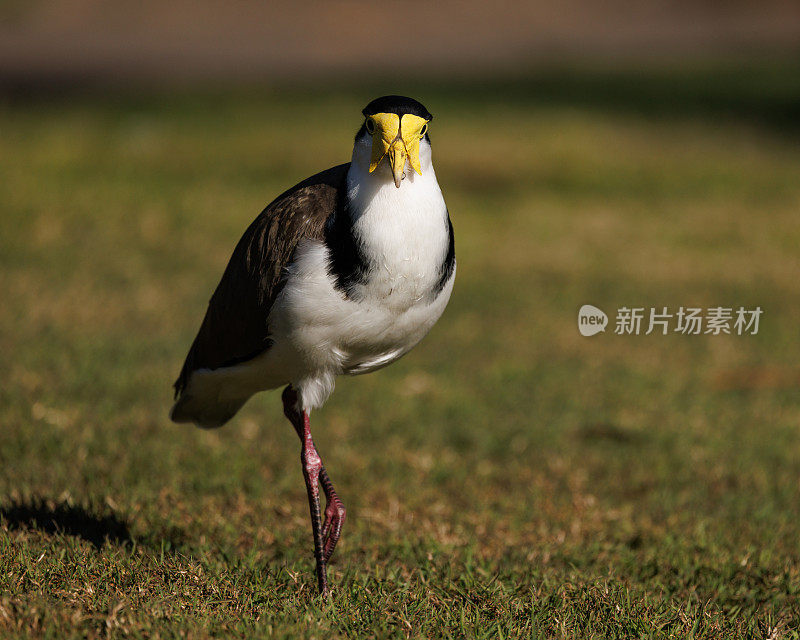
319,332
403,232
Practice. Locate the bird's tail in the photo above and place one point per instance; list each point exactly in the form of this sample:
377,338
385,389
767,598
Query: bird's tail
204,414
202,405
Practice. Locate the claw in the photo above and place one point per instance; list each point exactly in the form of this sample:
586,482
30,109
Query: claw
335,514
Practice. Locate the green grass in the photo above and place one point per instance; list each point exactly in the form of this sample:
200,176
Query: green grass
509,478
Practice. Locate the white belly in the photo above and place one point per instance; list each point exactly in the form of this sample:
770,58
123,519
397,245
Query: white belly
317,329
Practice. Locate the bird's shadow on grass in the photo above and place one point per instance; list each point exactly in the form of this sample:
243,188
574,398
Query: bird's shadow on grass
62,518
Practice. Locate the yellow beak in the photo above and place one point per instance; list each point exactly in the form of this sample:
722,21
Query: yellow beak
399,140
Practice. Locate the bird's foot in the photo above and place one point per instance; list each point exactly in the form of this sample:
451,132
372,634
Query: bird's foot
335,513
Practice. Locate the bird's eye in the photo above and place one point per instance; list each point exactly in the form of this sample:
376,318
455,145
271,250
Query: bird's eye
424,130
370,125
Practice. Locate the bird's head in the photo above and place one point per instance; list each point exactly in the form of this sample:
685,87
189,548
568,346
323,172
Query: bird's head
395,127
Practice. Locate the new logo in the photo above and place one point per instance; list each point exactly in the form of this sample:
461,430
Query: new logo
591,320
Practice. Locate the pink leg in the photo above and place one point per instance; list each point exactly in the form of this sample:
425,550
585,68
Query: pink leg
325,535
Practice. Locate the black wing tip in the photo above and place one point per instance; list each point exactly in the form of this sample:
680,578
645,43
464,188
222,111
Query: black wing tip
182,381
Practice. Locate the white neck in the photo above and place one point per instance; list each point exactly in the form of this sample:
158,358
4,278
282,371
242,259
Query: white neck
403,231
363,186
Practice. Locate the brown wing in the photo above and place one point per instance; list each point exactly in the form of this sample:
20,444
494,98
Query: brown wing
235,326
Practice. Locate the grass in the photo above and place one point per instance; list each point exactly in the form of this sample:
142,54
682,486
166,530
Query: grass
509,478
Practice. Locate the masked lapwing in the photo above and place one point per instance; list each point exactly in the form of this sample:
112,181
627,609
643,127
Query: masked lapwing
344,273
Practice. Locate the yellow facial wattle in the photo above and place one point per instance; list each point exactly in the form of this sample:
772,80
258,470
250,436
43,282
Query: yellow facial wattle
398,139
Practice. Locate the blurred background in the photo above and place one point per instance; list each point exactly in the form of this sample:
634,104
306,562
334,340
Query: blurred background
509,477
267,41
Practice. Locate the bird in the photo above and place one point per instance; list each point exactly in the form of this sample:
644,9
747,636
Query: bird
342,274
